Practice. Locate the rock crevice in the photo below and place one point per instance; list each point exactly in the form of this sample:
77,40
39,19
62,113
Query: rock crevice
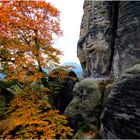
114,21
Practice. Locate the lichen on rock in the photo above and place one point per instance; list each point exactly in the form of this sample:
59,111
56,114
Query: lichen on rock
108,48
86,99
123,107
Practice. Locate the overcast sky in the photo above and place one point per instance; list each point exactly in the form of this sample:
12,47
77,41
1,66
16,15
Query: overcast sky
71,14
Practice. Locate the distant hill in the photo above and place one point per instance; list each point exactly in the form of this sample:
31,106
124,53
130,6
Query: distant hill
78,69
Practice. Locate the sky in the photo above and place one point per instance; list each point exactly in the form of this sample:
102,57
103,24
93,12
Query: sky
71,12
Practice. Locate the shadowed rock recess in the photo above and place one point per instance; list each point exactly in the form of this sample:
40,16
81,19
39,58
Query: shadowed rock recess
109,53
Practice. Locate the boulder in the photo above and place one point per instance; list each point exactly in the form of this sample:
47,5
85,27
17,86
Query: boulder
86,101
121,116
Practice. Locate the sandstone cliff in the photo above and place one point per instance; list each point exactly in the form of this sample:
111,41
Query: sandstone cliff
109,52
109,38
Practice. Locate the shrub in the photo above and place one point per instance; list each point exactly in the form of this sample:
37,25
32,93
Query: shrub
31,116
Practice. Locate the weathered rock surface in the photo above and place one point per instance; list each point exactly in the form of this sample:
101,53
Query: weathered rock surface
86,101
109,45
109,38
85,108
96,38
121,117
127,41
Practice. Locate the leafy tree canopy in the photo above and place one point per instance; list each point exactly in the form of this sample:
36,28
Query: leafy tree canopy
26,46
26,40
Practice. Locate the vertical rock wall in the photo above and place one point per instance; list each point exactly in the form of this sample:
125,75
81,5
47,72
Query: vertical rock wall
109,48
109,38
94,44
127,44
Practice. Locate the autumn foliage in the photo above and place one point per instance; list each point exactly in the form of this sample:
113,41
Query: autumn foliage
26,47
60,73
27,31
32,117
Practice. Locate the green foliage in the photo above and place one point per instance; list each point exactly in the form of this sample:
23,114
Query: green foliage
54,89
6,84
5,96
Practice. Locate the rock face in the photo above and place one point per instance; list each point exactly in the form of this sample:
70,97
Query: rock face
86,106
108,48
109,38
127,48
65,95
83,111
97,31
86,99
121,117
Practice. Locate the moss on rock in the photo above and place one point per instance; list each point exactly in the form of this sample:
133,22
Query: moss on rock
86,99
